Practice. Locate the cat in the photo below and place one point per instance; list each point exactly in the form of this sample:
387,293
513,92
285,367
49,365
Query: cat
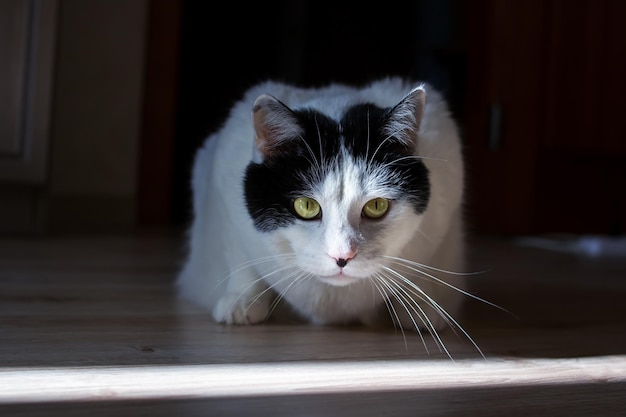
345,202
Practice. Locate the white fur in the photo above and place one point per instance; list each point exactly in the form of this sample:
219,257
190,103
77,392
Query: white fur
228,256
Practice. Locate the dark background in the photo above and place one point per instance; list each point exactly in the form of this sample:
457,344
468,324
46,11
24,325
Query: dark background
536,86
306,43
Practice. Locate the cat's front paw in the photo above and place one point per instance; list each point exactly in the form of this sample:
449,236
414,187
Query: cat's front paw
237,309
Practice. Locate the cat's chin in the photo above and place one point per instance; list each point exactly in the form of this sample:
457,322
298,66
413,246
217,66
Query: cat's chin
339,280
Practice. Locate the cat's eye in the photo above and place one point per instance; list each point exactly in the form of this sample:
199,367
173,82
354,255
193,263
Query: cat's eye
376,208
307,208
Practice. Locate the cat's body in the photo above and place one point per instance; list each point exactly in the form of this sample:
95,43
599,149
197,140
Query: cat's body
321,205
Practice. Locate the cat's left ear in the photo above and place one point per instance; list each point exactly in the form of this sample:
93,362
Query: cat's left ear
275,125
403,121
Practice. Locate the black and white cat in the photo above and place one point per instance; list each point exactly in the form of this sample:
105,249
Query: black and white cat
344,202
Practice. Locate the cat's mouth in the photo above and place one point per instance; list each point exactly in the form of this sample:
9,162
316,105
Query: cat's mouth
341,276
340,279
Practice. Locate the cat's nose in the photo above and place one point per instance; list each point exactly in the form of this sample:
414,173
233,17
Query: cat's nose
341,262
343,257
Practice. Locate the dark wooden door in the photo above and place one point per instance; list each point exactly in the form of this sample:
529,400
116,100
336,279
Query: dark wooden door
545,137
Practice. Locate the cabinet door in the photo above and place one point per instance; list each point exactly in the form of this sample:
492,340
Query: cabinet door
545,139
27,37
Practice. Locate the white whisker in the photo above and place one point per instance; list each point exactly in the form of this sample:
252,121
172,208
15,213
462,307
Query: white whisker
412,304
280,295
418,292
254,262
419,157
271,287
367,149
244,291
390,308
416,267
315,162
421,314
378,148
319,140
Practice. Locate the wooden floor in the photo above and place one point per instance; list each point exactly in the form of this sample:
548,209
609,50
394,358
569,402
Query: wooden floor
89,326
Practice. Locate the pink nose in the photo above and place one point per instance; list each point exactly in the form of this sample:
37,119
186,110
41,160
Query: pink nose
342,260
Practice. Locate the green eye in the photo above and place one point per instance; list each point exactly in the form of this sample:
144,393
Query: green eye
376,208
307,208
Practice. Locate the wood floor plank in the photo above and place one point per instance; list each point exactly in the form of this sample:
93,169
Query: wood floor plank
92,323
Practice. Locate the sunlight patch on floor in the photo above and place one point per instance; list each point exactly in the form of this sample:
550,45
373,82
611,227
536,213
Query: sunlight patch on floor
30,385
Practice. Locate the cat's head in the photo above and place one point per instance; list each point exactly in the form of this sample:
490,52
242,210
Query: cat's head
337,194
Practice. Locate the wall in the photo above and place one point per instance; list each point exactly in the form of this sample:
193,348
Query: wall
96,115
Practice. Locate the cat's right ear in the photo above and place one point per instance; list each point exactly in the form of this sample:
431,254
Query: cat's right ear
404,119
274,124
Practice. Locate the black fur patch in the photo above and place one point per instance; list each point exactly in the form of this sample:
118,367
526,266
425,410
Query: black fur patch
270,186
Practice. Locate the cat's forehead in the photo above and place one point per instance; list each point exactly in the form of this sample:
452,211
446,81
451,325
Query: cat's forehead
348,158
343,182
357,129
351,180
